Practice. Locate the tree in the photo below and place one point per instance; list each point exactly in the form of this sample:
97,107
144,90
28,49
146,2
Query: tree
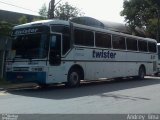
37,19
43,12
5,28
23,20
142,14
66,11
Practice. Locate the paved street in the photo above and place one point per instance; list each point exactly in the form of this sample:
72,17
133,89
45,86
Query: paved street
127,96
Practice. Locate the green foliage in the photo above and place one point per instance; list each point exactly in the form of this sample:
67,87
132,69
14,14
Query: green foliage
66,11
3,82
23,20
5,28
43,11
152,28
37,19
141,13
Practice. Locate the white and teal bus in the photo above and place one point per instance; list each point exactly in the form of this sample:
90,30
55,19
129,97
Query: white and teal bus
56,51
158,63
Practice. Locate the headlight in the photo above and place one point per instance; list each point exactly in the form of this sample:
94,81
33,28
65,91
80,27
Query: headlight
37,69
8,69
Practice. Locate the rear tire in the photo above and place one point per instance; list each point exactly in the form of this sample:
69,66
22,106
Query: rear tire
74,77
141,73
156,74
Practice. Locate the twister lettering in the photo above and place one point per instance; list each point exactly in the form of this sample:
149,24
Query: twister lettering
103,54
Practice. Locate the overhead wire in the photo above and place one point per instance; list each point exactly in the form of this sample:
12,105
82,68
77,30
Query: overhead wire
18,6
57,3
23,7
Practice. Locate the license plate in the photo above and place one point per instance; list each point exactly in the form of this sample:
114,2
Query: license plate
19,77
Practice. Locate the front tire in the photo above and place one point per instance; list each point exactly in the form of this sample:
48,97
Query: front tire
74,77
43,86
156,74
141,73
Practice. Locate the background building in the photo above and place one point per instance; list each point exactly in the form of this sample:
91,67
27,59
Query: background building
13,17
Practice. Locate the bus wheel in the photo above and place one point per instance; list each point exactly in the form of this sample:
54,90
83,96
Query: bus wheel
43,86
74,77
141,73
156,74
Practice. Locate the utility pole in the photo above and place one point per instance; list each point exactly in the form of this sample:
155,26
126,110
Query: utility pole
51,9
158,25
158,21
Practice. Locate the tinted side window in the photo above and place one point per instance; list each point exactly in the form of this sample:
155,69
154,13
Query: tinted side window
60,29
66,44
142,46
158,52
131,44
84,37
118,42
103,40
66,40
152,47
65,36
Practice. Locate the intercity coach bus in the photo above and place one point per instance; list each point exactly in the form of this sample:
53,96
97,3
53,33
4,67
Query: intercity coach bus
158,63
56,51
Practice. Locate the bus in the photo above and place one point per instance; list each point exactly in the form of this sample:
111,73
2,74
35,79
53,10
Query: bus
56,51
158,63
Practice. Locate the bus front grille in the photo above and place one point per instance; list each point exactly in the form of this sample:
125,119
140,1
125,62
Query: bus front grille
21,69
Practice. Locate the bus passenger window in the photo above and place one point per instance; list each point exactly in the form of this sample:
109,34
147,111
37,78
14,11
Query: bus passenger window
152,47
142,46
118,42
103,40
131,44
84,37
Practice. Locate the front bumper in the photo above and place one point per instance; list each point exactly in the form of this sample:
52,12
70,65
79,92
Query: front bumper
25,77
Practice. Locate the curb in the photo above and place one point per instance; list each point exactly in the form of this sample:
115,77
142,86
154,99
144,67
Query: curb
1,89
17,86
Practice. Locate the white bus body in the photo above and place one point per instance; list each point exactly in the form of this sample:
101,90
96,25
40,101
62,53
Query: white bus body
66,52
158,63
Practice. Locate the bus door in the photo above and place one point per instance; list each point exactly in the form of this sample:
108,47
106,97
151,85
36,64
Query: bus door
55,49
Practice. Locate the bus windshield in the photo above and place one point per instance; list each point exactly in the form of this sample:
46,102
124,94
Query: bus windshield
30,42
30,46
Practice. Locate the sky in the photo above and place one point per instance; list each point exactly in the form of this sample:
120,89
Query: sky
108,10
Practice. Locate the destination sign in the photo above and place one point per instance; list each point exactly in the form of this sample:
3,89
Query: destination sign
28,30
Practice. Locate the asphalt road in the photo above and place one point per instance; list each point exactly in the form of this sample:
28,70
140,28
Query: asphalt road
110,97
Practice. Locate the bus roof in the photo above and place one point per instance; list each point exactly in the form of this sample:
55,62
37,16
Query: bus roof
101,29
42,22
